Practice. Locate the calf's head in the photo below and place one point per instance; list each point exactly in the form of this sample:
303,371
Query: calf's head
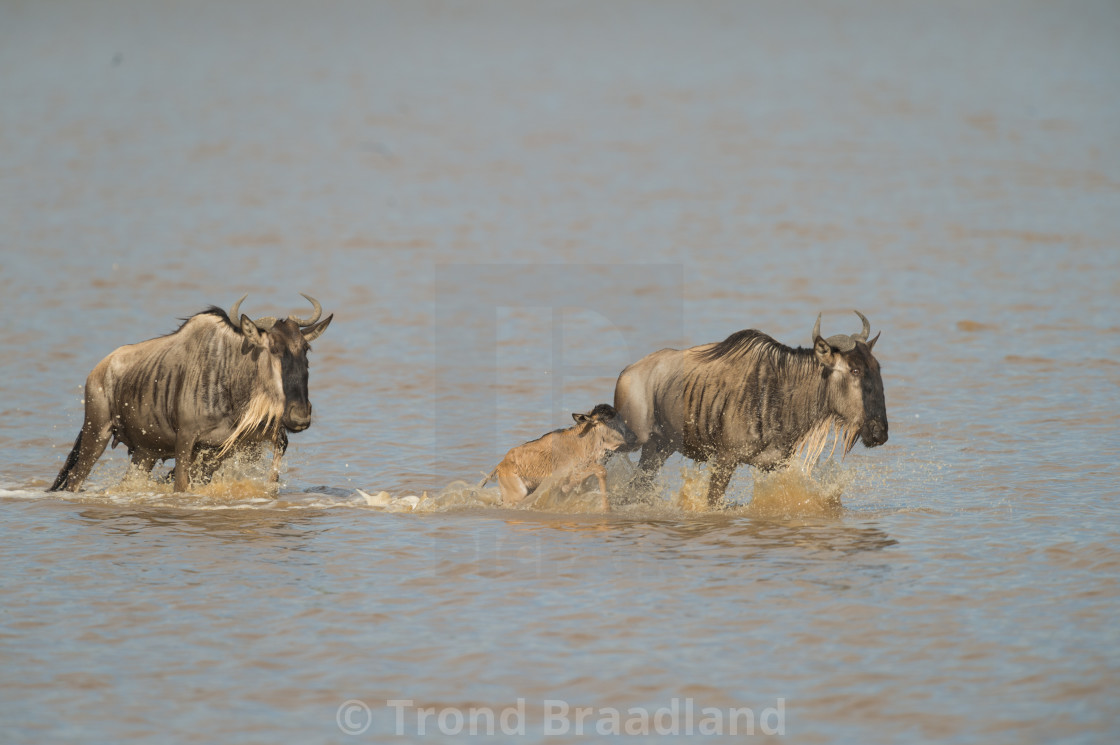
855,386
603,423
287,343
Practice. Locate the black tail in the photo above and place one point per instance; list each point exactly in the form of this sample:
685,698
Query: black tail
71,461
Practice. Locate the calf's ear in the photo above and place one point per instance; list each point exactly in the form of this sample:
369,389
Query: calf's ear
585,421
250,331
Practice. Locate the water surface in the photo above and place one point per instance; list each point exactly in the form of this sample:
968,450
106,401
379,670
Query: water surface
504,205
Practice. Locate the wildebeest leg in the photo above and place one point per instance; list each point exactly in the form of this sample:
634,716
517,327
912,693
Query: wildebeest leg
576,479
722,471
142,461
654,454
513,487
601,472
204,463
91,440
90,445
279,447
184,454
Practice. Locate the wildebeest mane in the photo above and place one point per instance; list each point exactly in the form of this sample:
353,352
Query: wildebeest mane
213,310
754,344
749,348
262,411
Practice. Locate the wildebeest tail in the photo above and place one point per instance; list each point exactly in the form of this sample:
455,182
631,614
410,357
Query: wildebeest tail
488,477
71,461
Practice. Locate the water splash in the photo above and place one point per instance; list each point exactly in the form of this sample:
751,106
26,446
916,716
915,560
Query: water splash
793,492
693,493
243,483
243,476
789,492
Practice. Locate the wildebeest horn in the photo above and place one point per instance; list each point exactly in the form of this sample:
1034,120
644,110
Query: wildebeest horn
862,336
842,342
314,316
233,315
264,324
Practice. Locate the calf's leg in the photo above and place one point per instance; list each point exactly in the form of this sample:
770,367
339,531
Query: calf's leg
601,472
513,487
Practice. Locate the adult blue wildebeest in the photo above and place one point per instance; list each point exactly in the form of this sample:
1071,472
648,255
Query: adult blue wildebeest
211,385
749,399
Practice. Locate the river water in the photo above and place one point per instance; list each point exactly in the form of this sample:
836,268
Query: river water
504,204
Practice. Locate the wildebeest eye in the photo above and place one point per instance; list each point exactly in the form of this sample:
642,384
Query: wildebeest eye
856,371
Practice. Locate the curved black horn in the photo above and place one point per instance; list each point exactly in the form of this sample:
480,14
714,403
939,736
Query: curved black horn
862,335
817,329
264,324
233,312
314,316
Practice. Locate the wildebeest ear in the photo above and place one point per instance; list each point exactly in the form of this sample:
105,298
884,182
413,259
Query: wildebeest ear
824,352
585,421
311,333
250,331
871,344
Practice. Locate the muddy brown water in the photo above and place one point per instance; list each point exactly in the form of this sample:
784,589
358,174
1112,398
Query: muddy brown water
504,204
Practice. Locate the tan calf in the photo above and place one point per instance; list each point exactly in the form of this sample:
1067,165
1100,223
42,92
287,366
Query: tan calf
577,452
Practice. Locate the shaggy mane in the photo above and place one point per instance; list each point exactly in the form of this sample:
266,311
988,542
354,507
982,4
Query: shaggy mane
754,344
750,347
213,310
263,411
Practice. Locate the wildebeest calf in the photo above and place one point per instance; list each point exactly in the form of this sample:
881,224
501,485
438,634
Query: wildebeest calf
578,451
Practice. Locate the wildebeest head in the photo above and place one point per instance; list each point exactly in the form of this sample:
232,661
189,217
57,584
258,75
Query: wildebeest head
855,386
287,342
605,422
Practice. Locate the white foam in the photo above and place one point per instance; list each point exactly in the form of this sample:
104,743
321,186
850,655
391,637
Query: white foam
22,493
